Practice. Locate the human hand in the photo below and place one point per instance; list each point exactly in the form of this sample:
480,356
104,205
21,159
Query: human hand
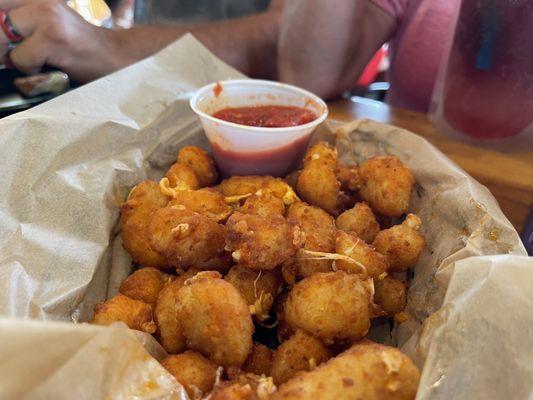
55,35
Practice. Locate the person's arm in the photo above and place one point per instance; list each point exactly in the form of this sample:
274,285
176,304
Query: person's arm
55,35
248,44
324,46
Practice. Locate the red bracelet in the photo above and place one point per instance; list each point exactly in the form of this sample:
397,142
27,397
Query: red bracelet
8,28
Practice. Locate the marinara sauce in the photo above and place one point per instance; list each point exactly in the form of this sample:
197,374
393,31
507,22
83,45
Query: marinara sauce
266,116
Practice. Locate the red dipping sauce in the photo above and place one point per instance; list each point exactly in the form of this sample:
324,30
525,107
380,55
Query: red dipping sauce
267,116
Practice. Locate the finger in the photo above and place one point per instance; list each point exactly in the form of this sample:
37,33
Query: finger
21,16
31,54
25,19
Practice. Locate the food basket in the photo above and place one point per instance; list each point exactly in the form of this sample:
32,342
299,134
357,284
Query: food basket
69,163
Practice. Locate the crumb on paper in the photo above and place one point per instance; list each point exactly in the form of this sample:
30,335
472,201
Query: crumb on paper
494,235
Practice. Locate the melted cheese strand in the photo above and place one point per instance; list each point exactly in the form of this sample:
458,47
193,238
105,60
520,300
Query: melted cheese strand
319,255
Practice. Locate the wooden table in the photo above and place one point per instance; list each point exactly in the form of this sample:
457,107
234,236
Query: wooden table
509,176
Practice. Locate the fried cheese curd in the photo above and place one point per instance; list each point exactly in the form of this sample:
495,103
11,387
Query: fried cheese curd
258,288
386,184
330,306
237,186
259,362
375,265
244,387
201,163
359,220
135,313
205,320
318,184
182,176
319,229
145,284
390,295
215,319
258,242
349,177
169,331
205,201
135,216
263,204
187,238
367,371
196,373
301,352
402,244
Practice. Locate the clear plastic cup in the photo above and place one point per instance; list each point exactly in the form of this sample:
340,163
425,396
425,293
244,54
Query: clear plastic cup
484,94
248,150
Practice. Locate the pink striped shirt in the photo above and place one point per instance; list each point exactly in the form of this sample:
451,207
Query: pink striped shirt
423,33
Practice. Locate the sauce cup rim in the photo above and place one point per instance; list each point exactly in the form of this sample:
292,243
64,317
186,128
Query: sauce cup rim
259,129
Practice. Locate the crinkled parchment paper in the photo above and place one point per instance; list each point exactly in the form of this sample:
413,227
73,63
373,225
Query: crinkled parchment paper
68,164
60,360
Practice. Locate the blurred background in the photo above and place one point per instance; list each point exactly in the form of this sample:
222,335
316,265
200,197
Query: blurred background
192,11
14,95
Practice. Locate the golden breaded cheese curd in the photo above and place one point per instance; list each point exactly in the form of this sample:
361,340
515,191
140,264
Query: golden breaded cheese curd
258,242
135,215
367,370
349,177
258,288
319,229
318,185
248,185
301,352
390,295
359,220
402,244
196,373
330,306
321,151
169,330
215,319
201,163
134,313
206,201
386,184
182,177
145,284
375,264
259,362
263,204
186,238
